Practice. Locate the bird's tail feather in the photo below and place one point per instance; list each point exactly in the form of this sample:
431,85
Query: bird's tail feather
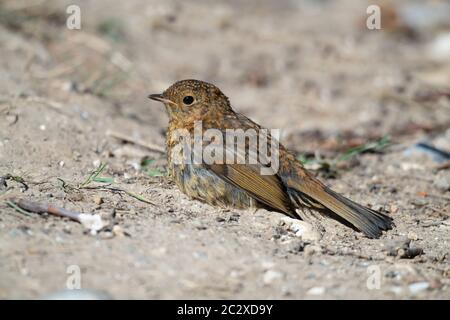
368,221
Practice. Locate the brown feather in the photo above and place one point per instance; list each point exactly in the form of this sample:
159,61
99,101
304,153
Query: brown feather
364,219
267,189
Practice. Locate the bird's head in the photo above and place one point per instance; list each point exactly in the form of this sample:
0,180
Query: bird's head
194,99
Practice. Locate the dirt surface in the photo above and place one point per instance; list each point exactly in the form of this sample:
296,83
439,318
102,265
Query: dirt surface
310,68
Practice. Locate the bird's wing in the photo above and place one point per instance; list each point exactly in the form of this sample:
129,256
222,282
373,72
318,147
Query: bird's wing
245,173
267,189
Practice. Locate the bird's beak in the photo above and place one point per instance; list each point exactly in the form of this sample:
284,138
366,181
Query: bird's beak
157,97
160,98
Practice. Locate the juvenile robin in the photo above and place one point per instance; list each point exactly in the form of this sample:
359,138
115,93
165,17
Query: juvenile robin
291,189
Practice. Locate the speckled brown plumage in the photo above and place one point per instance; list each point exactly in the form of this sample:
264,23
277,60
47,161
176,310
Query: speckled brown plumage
291,190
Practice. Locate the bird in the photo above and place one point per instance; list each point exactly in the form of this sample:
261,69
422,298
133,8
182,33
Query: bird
291,189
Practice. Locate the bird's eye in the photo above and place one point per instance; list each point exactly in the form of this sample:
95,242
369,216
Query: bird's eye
188,100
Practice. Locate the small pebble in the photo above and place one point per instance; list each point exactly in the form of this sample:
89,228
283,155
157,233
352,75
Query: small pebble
316,291
127,176
118,231
12,119
302,229
413,236
270,276
296,246
418,287
106,235
442,183
199,226
98,200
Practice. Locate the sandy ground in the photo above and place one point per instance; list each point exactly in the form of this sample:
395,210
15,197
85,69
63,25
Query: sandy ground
311,68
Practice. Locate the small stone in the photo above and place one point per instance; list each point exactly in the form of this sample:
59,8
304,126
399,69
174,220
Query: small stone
106,235
316,291
442,183
286,291
302,229
75,196
393,208
296,246
12,119
42,127
417,287
118,231
413,236
98,200
270,276
401,247
66,85
199,226
76,156
127,176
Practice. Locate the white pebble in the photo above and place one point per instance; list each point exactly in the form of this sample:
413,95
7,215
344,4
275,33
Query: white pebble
127,176
271,276
96,163
418,287
316,291
302,229
42,127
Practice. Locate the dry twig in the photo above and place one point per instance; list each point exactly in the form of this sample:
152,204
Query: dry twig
90,221
147,145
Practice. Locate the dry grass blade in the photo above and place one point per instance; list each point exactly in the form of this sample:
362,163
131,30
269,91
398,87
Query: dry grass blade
94,176
127,192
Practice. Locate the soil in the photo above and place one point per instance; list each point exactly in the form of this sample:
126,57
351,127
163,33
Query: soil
310,68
